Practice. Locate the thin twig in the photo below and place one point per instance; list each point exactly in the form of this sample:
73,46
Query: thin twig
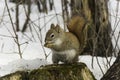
16,36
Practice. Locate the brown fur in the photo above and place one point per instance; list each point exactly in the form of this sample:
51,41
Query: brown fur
77,26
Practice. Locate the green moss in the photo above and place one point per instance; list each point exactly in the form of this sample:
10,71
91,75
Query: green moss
19,75
60,72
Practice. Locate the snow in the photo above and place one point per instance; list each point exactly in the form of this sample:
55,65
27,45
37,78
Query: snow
32,43
22,64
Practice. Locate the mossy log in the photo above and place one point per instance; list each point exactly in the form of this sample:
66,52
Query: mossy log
78,71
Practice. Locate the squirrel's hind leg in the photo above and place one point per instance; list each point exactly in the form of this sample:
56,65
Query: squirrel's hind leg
55,59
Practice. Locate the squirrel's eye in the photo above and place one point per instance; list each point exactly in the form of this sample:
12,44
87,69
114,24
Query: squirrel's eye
52,35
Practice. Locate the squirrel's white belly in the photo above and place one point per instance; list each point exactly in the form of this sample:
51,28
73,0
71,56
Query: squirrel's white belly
67,55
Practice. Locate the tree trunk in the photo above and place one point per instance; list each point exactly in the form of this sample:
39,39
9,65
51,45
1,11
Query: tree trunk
96,12
114,72
17,16
27,17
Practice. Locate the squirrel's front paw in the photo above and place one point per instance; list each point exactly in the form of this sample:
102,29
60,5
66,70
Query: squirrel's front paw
48,45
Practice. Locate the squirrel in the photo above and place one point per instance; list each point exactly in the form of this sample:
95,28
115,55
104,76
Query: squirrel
67,46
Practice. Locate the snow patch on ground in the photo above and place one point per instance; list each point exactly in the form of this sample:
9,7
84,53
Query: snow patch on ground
21,65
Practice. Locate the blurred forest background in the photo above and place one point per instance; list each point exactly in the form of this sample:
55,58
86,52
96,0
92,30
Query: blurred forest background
94,11
102,39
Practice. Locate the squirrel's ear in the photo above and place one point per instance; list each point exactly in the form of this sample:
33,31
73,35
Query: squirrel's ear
52,26
58,29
